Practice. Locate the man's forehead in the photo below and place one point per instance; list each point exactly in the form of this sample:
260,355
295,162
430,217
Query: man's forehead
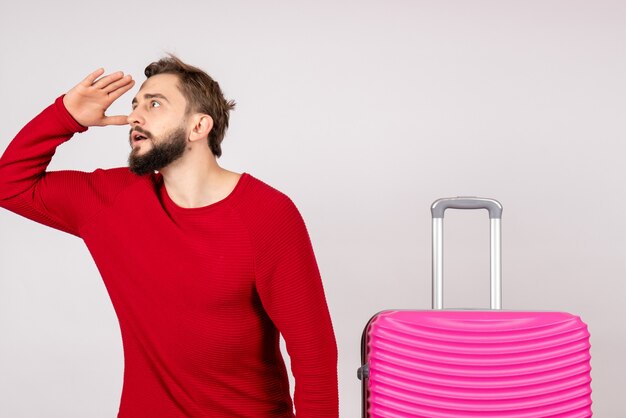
160,84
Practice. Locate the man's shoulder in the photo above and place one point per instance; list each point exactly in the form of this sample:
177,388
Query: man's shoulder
265,197
112,181
268,213
263,207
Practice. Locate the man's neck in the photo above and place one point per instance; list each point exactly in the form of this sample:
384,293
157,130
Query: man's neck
194,183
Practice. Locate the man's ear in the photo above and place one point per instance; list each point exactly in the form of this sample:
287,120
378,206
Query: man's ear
202,125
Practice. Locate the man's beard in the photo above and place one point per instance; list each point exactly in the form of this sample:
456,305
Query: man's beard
164,151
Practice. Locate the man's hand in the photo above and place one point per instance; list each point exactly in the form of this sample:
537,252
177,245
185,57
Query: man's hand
89,99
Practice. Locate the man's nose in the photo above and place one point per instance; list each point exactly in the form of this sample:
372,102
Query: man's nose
135,118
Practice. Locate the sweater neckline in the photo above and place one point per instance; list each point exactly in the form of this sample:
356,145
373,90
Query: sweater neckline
173,207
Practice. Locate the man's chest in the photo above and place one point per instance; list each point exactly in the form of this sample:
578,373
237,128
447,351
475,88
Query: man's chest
196,262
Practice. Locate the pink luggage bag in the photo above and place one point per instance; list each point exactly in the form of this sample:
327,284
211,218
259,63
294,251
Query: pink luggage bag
474,363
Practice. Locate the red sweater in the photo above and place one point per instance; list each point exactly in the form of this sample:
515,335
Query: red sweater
201,294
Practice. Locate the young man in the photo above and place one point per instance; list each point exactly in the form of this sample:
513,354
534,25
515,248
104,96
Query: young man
204,267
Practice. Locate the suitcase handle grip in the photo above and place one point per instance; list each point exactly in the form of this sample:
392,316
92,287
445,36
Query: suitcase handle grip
495,214
493,206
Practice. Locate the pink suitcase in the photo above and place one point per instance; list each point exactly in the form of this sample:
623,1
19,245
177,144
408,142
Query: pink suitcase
474,363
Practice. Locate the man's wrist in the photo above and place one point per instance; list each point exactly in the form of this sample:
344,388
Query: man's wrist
66,117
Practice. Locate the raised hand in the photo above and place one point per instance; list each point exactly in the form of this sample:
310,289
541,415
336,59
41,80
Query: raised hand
88,100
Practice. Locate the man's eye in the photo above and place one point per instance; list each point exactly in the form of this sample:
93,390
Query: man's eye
154,103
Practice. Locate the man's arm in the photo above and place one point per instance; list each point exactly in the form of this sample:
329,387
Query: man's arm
53,198
291,291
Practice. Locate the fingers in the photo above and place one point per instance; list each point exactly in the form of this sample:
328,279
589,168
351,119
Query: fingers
122,82
89,80
115,120
105,81
123,86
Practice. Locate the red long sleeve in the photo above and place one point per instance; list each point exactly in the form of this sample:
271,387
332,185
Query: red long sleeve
201,294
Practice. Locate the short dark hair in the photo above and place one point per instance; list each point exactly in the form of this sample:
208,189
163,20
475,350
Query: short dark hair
203,95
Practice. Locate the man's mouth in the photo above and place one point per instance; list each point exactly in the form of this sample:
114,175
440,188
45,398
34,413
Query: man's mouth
136,137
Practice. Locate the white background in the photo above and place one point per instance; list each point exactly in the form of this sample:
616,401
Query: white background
364,113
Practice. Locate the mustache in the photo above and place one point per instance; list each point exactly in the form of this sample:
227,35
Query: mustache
139,129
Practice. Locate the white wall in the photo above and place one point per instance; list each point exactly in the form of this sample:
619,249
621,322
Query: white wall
364,113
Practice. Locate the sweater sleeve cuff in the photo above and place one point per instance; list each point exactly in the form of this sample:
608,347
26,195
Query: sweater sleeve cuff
65,118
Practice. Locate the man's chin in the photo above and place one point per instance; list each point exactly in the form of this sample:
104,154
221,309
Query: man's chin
138,165
140,171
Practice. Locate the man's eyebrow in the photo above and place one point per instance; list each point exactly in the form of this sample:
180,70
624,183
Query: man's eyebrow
149,96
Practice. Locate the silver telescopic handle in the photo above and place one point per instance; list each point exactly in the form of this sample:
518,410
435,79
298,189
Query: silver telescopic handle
494,207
